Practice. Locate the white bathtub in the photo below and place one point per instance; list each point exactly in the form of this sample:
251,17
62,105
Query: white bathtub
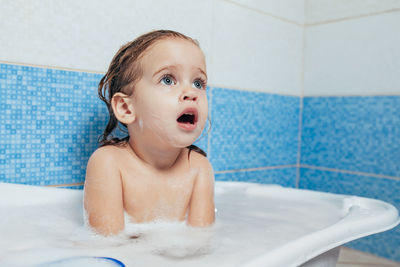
256,225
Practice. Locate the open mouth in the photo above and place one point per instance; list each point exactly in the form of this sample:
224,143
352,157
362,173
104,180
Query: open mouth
188,119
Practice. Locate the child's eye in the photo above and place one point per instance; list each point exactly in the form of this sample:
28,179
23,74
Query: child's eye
199,84
167,80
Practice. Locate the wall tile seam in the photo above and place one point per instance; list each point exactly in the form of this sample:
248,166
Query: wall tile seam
217,172
301,103
212,85
210,120
24,64
274,168
374,175
262,12
216,86
299,142
258,169
351,18
65,185
251,90
305,24
351,95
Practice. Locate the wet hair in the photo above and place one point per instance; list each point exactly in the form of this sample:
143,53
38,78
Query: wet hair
123,73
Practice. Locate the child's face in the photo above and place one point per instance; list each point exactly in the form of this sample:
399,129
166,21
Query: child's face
170,98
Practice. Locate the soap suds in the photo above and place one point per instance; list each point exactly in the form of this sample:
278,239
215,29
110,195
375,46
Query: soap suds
246,226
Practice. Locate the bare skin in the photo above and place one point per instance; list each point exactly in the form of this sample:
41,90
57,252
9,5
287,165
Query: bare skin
154,177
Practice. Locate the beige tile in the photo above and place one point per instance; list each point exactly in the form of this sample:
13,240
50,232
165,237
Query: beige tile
350,257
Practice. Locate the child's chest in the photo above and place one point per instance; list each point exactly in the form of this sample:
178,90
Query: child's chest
150,195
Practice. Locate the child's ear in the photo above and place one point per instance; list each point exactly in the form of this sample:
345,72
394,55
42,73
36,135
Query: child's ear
123,108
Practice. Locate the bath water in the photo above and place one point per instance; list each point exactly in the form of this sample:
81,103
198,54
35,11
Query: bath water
47,225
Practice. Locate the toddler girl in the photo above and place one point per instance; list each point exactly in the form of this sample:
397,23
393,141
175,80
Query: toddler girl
155,87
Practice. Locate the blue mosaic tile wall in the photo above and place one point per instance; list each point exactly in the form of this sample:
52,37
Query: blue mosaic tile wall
50,123
358,139
252,130
50,120
352,133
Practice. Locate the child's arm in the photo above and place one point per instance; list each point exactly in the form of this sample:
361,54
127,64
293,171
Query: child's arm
103,199
202,208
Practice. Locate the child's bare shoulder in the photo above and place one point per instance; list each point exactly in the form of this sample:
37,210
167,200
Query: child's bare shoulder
108,153
201,162
106,159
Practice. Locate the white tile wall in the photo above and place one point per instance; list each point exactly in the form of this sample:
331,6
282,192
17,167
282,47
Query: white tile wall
86,34
354,57
291,10
318,11
244,49
253,45
256,52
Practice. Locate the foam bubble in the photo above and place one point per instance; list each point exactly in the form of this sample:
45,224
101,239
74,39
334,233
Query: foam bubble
247,225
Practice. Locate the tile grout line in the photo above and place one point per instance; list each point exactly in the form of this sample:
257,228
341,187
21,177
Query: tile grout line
252,90
102,73
351,172
210,118
63,185
50,67
212,88
257,169
305,24
352,17
299,136
274,168
310,167
301,107
350,95
264,13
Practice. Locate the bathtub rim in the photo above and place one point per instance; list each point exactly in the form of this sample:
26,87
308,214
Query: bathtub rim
316,246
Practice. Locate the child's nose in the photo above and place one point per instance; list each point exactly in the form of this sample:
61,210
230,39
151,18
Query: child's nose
189,95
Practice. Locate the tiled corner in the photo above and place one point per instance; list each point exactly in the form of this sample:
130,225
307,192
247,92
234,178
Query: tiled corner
384,244
353,57
290,10
282,176
352,133
320,11
251,130
50,122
